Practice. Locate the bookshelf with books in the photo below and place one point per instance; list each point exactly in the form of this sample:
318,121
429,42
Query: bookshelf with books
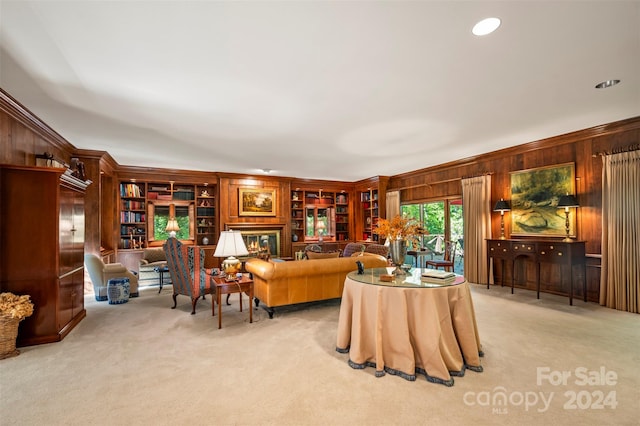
370,206
319,215
133,233
170,191
143,203
297,215
370,213
342,216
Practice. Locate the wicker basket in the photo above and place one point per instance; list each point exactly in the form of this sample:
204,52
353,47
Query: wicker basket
8,336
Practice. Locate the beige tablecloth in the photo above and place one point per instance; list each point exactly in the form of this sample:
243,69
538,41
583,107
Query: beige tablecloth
404,331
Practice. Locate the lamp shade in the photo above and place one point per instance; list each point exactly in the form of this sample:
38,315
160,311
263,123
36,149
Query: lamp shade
172,225
230,243
568,201
502,206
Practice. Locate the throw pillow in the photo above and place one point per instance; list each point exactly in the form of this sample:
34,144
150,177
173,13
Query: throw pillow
313,255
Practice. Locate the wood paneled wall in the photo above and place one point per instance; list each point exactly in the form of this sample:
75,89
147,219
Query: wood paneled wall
23,135
582,148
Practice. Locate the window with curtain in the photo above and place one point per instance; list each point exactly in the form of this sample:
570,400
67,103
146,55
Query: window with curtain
620,274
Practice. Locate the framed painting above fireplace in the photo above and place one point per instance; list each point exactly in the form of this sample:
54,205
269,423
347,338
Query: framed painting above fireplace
257,202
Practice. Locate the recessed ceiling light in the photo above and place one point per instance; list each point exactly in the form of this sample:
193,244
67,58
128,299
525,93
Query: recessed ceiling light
606,84
266,171
486,26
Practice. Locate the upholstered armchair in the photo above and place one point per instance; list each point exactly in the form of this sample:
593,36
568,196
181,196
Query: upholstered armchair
186,266
380,249
352,248
152,258
100,274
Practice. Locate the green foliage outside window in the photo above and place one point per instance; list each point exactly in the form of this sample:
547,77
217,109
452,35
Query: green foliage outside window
160,223
432,216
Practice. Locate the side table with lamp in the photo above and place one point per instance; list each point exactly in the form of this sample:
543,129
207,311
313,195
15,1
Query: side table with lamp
230,245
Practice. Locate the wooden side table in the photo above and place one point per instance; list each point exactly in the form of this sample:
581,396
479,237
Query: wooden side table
222,286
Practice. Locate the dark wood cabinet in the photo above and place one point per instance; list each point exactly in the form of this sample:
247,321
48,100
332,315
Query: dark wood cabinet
540,252
42,243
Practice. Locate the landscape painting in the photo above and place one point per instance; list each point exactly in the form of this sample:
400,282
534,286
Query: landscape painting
534,200
257,202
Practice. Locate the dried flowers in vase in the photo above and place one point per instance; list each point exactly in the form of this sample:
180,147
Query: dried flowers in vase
400,228
17,307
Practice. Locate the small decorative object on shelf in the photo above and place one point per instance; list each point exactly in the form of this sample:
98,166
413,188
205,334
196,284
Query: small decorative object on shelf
205,241
13,309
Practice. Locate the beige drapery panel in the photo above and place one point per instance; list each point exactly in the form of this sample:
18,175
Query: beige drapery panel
476,201
620,275
393,204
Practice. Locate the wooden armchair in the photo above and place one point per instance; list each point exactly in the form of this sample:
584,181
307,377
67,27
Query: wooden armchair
186,266
449,257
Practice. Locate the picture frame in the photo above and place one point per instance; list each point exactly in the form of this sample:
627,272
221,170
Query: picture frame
534,199
257,202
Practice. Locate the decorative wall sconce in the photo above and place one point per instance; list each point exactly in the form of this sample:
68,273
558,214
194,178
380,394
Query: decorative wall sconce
502,206
567,202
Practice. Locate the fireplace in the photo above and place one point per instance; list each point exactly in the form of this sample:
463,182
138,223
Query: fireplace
259,237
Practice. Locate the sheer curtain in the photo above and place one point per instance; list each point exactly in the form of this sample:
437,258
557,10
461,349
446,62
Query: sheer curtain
393,204
476,201
620,276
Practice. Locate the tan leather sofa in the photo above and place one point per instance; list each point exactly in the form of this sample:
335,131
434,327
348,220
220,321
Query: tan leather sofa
300,281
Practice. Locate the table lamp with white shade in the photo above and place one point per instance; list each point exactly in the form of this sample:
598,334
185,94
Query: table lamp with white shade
230,244
172,227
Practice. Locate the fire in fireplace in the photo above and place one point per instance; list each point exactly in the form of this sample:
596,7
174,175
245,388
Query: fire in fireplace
260,237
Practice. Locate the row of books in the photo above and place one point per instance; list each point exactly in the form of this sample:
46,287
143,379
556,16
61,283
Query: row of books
132,205
131,217
130,190
438,277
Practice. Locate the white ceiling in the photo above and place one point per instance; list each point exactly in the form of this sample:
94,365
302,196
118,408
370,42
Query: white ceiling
339,90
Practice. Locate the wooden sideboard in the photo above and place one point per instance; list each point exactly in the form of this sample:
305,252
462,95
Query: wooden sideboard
565,254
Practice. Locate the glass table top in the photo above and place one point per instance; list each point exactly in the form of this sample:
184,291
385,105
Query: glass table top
413,278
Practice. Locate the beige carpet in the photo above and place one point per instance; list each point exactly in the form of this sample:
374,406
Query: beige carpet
142,363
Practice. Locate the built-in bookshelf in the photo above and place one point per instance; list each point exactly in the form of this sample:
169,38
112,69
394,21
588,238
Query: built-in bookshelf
318,215
370,213
133,230
342,216
369,206
140,202
297,215
205,215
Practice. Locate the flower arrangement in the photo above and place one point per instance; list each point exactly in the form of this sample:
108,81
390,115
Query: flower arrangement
400,228
13,306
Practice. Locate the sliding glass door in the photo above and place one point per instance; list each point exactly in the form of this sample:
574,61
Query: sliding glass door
443,221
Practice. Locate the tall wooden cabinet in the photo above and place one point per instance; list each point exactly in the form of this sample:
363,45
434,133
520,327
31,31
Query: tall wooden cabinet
42,245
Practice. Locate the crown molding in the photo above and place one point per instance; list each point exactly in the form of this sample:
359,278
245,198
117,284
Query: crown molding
21,114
